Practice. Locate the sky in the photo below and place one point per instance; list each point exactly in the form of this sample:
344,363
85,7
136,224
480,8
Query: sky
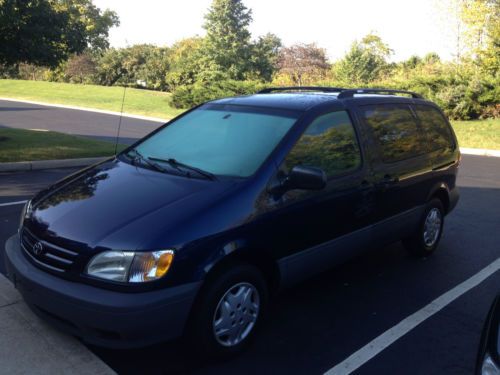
409,27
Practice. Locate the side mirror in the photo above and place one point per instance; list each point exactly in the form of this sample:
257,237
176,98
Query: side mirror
305,178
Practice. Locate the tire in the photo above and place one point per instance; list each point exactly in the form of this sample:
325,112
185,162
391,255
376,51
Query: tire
426,238
213,311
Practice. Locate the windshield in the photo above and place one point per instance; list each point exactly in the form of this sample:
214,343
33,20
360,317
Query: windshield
220,139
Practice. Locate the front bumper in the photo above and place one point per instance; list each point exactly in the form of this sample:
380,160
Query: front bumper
98,316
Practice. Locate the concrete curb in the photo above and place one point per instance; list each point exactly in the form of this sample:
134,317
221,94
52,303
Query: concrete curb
130,115
480,152
29,345
48,164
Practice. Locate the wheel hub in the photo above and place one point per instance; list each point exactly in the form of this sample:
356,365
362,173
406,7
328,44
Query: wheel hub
432,227
236,314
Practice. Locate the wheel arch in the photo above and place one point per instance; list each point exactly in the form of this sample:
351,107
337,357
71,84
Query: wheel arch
237,252
442,192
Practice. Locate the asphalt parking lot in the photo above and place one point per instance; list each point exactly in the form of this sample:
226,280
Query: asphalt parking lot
85,123
316,325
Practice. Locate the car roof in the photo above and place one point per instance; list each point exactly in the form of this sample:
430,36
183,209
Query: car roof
303,101
291,101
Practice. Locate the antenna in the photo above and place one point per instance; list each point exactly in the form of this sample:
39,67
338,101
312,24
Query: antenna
120,121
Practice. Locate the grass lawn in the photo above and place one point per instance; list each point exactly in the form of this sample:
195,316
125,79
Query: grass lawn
25,145
141,102
478,133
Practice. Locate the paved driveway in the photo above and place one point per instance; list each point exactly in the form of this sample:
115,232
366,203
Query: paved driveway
92,124
318,324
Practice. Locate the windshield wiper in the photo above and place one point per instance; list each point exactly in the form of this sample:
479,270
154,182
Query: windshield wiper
152,164
175,164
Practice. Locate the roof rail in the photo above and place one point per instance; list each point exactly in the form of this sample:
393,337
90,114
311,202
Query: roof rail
301,88
349,93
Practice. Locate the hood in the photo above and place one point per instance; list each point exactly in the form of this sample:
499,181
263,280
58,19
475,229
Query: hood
118,206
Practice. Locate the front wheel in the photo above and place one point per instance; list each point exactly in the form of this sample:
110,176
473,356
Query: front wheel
426,238
228,311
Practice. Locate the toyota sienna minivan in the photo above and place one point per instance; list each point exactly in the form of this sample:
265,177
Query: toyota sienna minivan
189,231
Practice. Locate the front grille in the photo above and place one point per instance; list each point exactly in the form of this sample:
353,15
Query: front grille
45,254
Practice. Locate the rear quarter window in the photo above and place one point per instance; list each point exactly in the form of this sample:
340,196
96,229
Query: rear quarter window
436,129
395,131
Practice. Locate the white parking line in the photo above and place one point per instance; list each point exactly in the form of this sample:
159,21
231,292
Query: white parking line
387,338
12,203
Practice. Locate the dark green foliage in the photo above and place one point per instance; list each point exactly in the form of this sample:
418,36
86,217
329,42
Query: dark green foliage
186,60
127,66
228,49
463,95
190,95
227,44
365,62
264,57
35,32
46,33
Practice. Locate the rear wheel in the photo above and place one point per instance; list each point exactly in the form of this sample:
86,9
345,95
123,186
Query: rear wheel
426,238
228,311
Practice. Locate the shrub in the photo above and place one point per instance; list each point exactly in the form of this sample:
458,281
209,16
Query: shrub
490,111
188,96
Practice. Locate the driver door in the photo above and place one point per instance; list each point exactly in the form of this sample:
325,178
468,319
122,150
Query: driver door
313,230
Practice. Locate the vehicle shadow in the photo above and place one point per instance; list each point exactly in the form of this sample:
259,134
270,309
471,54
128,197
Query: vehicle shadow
314,325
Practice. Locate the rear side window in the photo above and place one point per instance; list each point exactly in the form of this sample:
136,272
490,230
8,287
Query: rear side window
328,143
435,128
395,130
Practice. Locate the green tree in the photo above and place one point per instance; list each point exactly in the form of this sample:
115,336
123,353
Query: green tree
482,31
265,57
186,58
365,62
110,68
156,68
90,21
227,44
412,62
47,32
126,66
35,32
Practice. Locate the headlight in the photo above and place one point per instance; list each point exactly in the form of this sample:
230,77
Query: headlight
25,213
130,266
489,366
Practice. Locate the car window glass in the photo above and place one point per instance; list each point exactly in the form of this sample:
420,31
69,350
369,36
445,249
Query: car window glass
231,141
395,130
435,128
328,143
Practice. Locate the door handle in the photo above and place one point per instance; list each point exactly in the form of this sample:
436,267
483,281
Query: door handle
388,181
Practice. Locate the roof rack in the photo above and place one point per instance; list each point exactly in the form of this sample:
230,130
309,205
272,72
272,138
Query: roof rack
349,93
301,88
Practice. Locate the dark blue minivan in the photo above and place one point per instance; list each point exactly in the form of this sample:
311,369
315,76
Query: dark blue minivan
192,229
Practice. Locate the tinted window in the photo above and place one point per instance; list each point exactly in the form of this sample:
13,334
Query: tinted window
395,130
224,140
328,143
434,127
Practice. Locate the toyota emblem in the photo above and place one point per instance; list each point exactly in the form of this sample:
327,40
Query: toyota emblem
38,248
